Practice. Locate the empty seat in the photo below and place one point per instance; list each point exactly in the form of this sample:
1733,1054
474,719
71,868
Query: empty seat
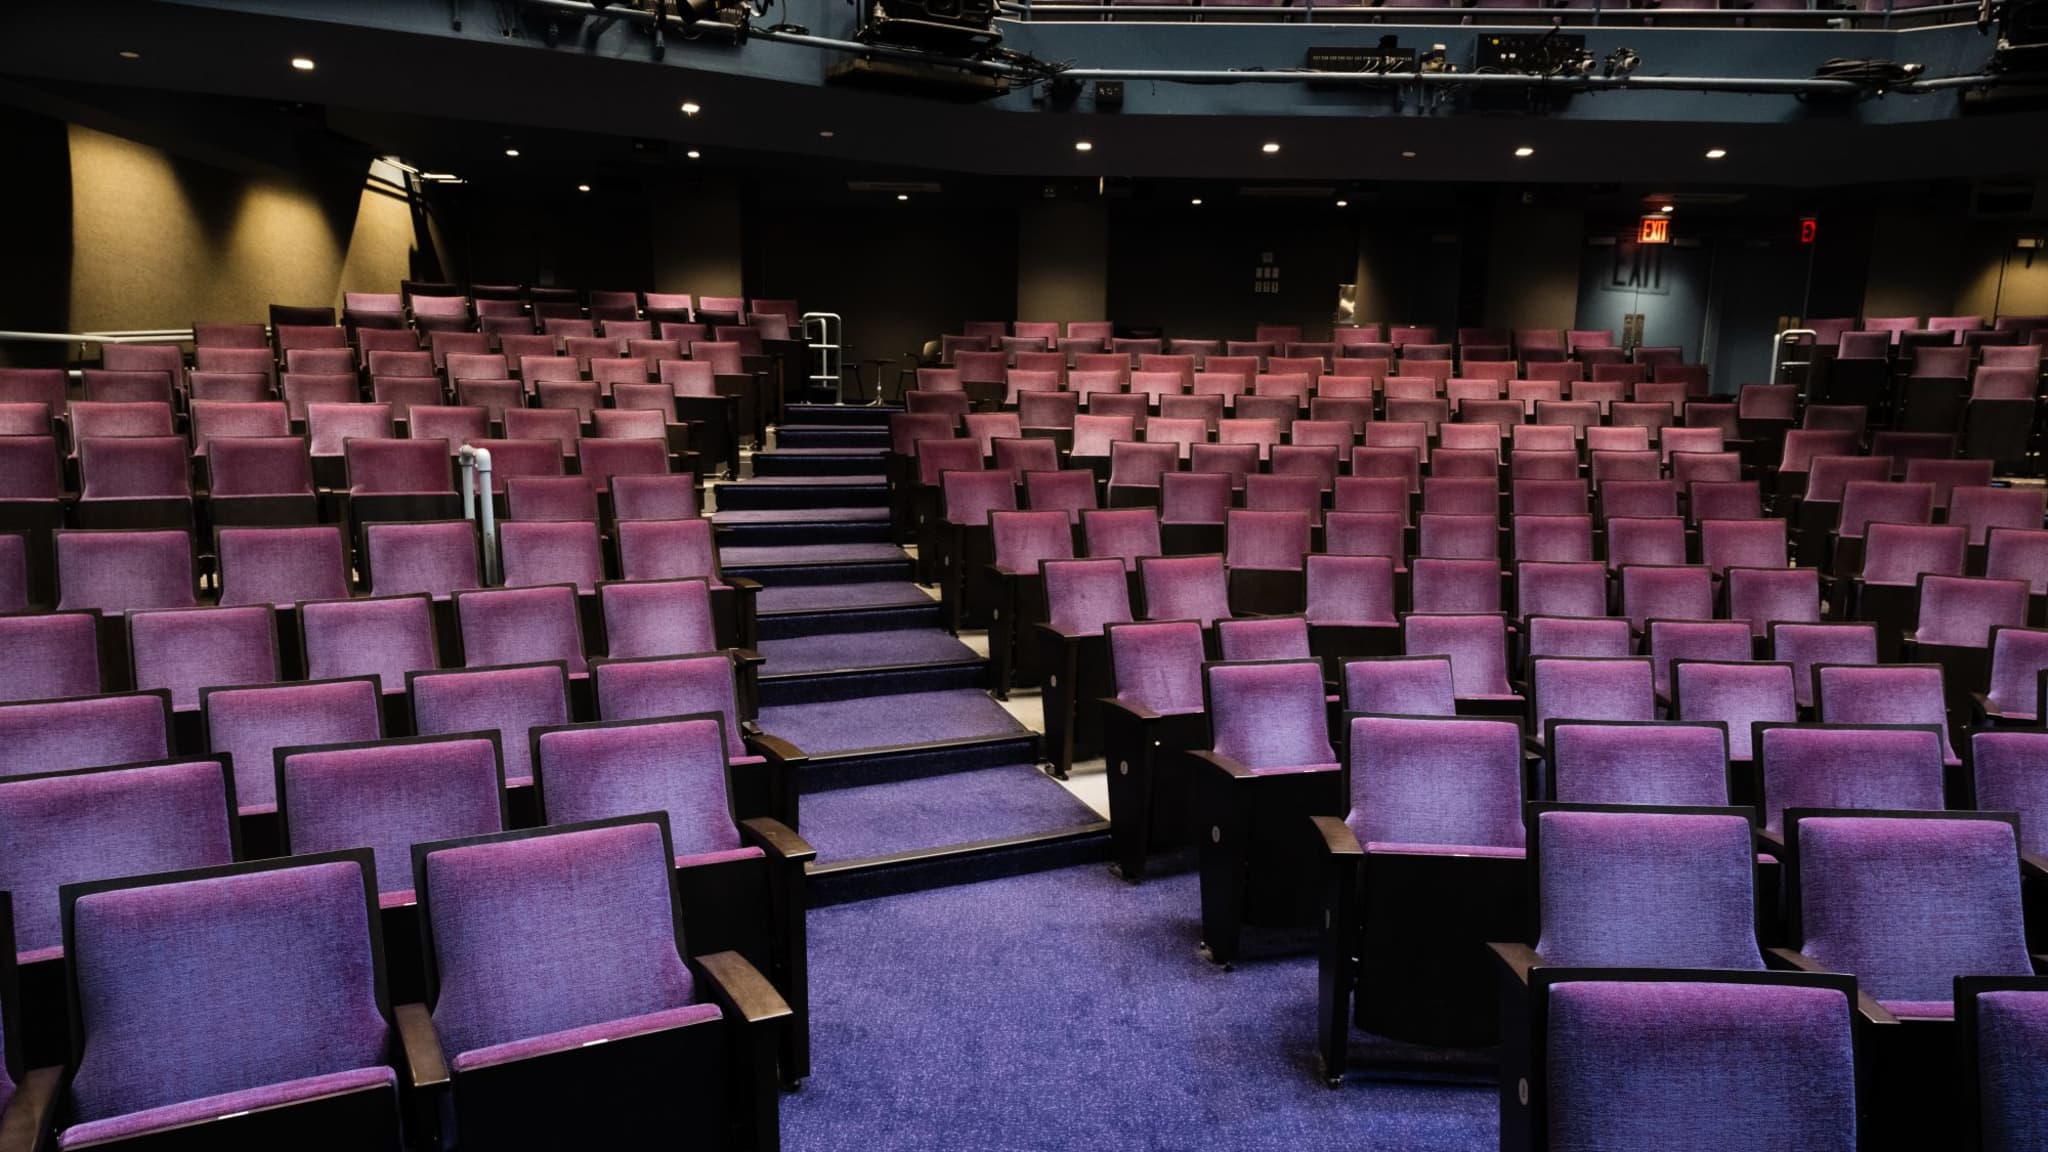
1669,641
116,572
511,701
1081,596
1833,766
1477,647
281,566
1804,645
435,557
1740,695
551,552
1185,588
84,732
521,626
245,727
1884,694
186,650
388,637
1574,688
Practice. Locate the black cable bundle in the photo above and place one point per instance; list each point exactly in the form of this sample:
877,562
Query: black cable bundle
1875,73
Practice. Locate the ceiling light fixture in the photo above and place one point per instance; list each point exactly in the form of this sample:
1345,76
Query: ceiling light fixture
1343,203
512,152
694,154
903,195
826,133
1716,153
1197,201
303,63
1084,146
1668,208
583,187
691,107
1407,155
1524,152
129,54
1269,147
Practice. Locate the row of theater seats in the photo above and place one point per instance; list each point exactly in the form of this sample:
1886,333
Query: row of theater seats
431,307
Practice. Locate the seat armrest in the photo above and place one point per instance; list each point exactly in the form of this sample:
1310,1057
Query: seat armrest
1224,766
2033,865
426,1064
1337,838
1768,841
1137,712
743,582
778,840
740,989
2040,962
28,1114
773,747
748,657
1517,960
1788,960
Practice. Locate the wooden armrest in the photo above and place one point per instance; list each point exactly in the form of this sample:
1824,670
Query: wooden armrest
1224,765
2033,865
1788,960
778,839
28,1113
740,987
424,1060
1518,959
743,583
1768,841
773,747
1337,838
2040,962
748,657
1137,712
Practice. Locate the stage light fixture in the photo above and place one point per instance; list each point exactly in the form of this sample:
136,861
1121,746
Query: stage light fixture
1343,203
1084,146
694,154
129,54
583,187
303,63
512,152
1269,147
1716,153
691,107
1407,155
1524,152
903,196
1197,202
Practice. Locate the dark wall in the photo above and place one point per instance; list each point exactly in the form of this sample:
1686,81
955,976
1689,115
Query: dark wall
1198,269
35,294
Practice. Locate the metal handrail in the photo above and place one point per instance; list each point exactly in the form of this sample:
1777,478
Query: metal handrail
829,349
134,336
476,474
1782,341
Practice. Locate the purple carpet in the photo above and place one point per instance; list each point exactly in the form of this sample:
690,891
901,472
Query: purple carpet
936,811
794,554
1067,1010
799,515
840,650
890,721
814,597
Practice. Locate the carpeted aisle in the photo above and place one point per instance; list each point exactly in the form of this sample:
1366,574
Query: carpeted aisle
1066,1010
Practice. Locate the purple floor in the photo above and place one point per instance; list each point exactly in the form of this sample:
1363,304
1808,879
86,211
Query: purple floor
811,554
890,721
839,650
936,811
1068,1010
812,597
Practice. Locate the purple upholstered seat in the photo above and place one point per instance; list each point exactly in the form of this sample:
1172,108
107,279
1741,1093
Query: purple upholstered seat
301,1018
185,650
1900,554
1082,596
1436,785
1657,541
1184,588
1906,904
1766,596
124,571
1400,686
1645,889
281,566
667,550
1263,638
71,826
2018,656
662,687
508,701
1742,544
1124,534
1806,645
1672,640
1629,1061
1350,590
551,498
2007,766
1577,688
1659,592
246,725
2012,1076
655,498
1158,665
1477,646
1269,716
1647,762
657,617
1579,636
387,637
676,766
1960,612
84,732
1070,491
438,558
517,978
1740,695
1883,694
1827,766
49,656
1560,589
521,626
1557,539
1450,586
539,552
388,797
1458,536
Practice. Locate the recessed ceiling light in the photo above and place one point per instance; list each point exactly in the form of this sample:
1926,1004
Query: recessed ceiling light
583,187
512,152
1269,147
1716,153
303,63
129,54
694,154
1667,208
1407,155
1525,152
1343,203
1197,201
1084,146
691,107
826,133
903,195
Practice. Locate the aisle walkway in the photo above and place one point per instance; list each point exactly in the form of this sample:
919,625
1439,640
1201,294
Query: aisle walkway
1066,1010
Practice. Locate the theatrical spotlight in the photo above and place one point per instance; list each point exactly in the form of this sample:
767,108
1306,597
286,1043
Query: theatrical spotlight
1621,62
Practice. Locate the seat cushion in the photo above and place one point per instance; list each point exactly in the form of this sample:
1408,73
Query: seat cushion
210,1107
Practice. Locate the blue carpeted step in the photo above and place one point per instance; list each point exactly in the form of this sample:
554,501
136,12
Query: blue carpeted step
832,597
848,652
895,571
803,493
820,462
799,623
965,671
764,528
856,415
935,812
807,555
844,727
829,436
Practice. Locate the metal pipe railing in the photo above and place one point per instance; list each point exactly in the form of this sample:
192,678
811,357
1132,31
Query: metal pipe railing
477,505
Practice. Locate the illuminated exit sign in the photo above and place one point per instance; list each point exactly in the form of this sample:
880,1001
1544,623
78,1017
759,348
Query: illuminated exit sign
1654,230
1809,229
